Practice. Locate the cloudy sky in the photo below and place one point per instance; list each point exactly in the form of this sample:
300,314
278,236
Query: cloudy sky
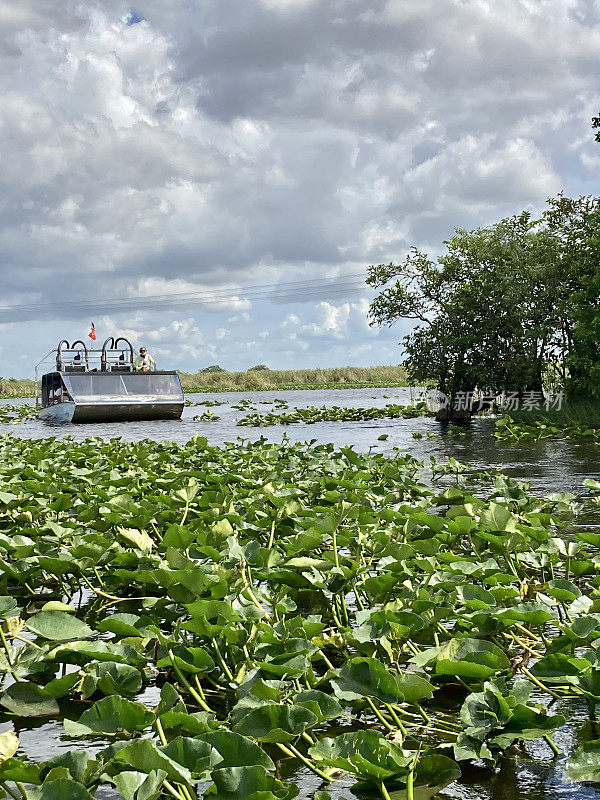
260,153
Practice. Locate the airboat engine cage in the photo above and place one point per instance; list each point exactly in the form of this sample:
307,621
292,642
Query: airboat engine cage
82,384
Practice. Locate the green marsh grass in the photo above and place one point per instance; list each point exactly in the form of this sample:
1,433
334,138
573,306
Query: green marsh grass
261,380
266,380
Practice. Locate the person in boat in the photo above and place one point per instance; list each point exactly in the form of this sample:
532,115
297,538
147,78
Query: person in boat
144,361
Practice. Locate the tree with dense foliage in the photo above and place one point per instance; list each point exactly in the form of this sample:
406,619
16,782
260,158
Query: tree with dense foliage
487,311
507,307
576,224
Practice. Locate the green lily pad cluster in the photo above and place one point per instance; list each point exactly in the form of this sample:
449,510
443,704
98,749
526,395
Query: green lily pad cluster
312,414
206,416
536,429
12,414
200,614
206,403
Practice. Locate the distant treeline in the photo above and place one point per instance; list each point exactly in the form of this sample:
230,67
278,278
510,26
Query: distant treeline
217,379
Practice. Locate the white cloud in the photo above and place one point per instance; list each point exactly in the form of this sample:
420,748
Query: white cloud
331,321
244,142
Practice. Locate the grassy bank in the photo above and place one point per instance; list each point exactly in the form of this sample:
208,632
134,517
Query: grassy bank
265,379
11,387
220,380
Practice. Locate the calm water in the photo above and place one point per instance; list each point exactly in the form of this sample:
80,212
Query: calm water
549,466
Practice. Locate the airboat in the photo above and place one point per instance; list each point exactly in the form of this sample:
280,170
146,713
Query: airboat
103,385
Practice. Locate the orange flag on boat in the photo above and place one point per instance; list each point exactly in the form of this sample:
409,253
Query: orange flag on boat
92,333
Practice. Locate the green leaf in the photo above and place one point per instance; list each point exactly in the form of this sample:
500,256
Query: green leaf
366,754
276,723
562,590
110,716
122,625
245,782
475,598
194,724
189,659
236,750
25,699
59,790
58,626
8,607
432,774
414,687
534,613
366,677
78,763
210,617
195,754
474,659
138,539
584,764
110,677
497,517
15,769
142,755
139,785
57,605
323,706
178,537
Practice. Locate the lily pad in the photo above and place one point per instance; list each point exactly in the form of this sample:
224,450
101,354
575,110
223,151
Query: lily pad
25,699
58,626
584,764
110,716
366,677
276,723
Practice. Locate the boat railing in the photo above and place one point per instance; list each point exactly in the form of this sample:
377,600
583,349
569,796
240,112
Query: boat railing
115,355
77,363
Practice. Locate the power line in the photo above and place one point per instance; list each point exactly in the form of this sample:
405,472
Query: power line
282,292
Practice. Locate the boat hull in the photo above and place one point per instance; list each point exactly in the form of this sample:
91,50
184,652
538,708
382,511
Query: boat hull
61,412
79,413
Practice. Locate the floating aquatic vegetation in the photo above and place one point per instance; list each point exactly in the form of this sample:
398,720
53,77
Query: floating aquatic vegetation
312,414
277,594
207,403
506,429
13,414
207,416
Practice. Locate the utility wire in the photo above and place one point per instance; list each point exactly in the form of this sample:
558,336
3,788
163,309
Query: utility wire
282,292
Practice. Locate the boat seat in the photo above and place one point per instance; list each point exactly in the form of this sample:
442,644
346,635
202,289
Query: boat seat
74,368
